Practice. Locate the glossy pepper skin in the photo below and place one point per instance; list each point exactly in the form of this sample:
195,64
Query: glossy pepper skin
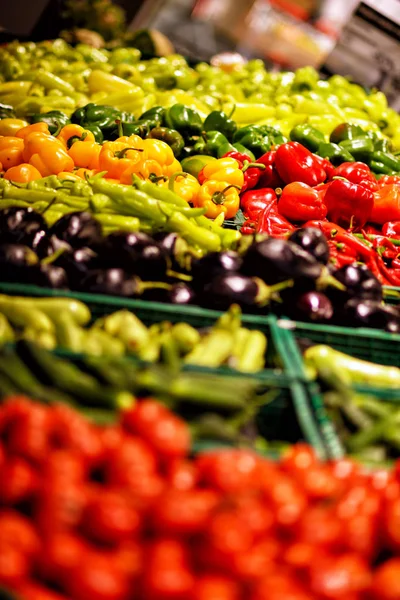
252,171
223,169
386,205
55,119
253,139
6,111
295,163
299,202
183,119
271,222
269,178
361,148
334,153
346,131
156,114
220,121
218,197
391,229
349,204
102,116
47,154
253,202
308,136
357,172
11,151
170,136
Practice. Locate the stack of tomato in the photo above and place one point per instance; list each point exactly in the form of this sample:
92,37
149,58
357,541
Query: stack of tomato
120,512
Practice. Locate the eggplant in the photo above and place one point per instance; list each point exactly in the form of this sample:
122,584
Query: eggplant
230,288
49,244
311,306
274,260
176,248
137,254
115,282
48,275
21,225
359,281
78,229
181,293
77,263
371,313
313,241
211,265
16,262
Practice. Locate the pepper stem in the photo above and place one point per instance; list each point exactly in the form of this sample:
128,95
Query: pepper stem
247,165
154,179
232,111
268,292
59,127
219,197
120,128
121,153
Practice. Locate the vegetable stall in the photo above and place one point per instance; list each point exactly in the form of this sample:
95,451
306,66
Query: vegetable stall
199,330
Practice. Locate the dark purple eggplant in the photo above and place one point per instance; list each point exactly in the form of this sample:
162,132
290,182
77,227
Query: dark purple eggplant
20,225
311,306
181,293
313,241
359,282
230,288
77,263
16,261
214,264
137,254
78,229
370,313
176,248
48,275
47,245
115,282
274,260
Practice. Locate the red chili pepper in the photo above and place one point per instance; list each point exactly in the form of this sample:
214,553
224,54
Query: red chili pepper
386,204
252,170
389,180
272,223
357,172
391,275
391,229
269,178
333,231
348,204
371,230
295,163
299,202
254,202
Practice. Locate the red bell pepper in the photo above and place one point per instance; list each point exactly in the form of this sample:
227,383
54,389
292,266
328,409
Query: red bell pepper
269,178
348,204
327,166
272,223
251,170
299,202
253,202
357,172
386,204
391,229
388,180
295,163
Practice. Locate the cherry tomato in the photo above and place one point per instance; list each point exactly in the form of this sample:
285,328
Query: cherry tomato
35,591
182,474
97,578
279,586
216,587
18,532
299,457
184,512
254,563
229,470
62,552
14,566
320,526
386,581
252,508
319,483
129,462
228,533
129,558
344,468
299,555
338,576
360,534
60,506
167,573
110,518
18,480
287,500
391,524
29,434
14,408
64,466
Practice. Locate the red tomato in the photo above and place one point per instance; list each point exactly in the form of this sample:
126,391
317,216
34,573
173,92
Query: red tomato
146,490
254,511
360,534
287,499
386,581
359,498
344,468
132,460
229,470
257,561
110,518
64,466
129,558
17,531
298,458
182,474
334,577
14,565
228,533
14,408
97,578
280,586
18,480
184,512
61,553
216,587
167,574
35,591
299,555
60,506
391,524
145,413
320,526
29,434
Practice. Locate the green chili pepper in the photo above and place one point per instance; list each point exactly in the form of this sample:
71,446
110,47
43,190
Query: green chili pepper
346,131
185,120
170,136
308,136
360,148
336,154
54,119
383,145
388,160
220,121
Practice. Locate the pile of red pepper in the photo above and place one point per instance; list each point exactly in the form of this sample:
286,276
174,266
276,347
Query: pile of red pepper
359,214
120,512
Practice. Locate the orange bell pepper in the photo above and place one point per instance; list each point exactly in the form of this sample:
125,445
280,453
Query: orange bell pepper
22,173
117,157
85,154
47,154
218,197
386,204
34,128
71,133
11,151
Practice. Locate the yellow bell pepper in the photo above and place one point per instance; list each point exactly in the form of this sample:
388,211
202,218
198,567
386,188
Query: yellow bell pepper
218,197
11,126
223,169
159,151
185,185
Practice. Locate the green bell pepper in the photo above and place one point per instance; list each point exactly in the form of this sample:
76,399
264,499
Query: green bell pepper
6,111
169,136
98,135
360,148
254,139
54,119
183,119
155,114
336,154
220,121
214,141
103,116
308,136
346,131
383,145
